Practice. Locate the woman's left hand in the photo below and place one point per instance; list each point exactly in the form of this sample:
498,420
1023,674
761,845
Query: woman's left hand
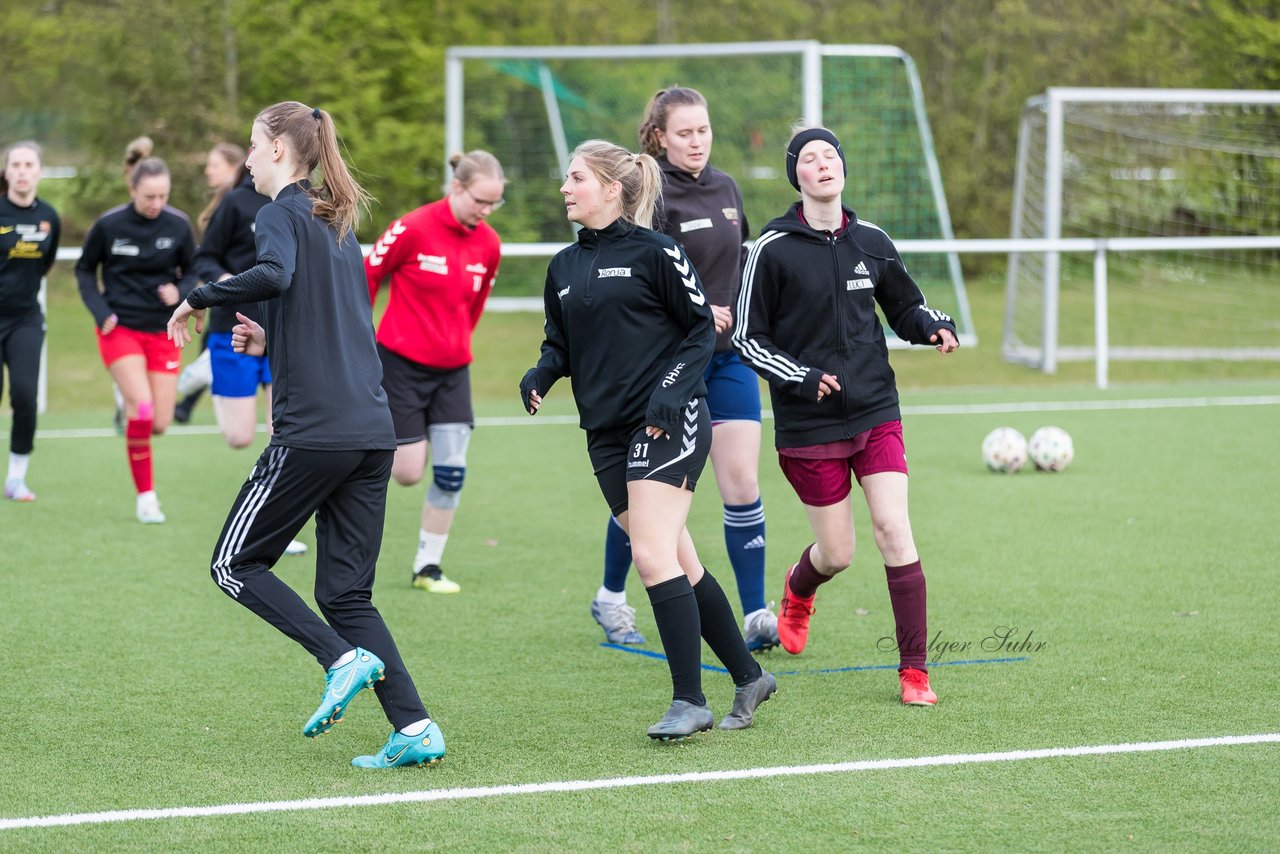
177,330
169,293
945,340
655,432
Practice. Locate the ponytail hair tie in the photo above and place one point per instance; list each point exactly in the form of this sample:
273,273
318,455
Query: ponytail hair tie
315,114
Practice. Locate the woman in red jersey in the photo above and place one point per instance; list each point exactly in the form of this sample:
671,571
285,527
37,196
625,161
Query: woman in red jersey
442,259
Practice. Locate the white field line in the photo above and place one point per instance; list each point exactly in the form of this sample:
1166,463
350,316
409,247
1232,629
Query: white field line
938,409
478,792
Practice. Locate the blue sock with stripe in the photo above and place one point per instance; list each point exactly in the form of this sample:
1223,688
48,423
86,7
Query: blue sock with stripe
617,557
744,538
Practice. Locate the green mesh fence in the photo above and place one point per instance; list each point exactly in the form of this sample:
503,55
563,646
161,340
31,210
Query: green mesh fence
528,112
1153,169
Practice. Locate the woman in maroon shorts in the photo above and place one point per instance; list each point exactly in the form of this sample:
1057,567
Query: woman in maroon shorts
810,289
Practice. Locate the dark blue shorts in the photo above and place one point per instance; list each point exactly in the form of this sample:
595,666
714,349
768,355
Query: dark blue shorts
235,374
733,389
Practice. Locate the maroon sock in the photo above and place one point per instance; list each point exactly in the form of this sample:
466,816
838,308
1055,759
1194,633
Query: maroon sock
805,580
910,613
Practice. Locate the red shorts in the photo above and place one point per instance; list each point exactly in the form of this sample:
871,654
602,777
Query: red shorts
820,473
162,355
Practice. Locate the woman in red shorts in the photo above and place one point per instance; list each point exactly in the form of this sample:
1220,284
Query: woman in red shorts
810,289
145,251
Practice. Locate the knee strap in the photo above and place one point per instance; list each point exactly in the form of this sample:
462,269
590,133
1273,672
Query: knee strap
449,463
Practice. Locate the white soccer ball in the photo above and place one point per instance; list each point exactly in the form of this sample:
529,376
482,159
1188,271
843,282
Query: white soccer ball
1004,450
1051,449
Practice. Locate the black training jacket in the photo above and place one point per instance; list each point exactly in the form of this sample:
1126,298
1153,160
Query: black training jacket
627,321
705,216
136,255
326,377
28,247
228,248
808,308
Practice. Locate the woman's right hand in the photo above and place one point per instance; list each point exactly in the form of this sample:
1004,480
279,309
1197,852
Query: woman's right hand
248,337
827,385
535,401
109,324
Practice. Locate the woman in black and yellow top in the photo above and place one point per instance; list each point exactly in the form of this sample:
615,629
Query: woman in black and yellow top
29,231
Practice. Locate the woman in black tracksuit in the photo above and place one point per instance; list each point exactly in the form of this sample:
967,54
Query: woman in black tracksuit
29,232
702,211
809,326
331,450
627,321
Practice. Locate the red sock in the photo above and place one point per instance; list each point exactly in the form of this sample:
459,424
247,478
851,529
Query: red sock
805,580
137,441
908,597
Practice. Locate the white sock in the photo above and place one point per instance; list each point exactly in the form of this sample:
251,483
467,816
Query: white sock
18,466
149,495
346,659
115,390
430,547
604,594
416,728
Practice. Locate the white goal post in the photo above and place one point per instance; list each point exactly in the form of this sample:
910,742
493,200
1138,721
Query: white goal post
530,106
1160,169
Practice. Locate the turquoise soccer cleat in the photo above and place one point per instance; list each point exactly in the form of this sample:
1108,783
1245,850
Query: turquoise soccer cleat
341,684
425,748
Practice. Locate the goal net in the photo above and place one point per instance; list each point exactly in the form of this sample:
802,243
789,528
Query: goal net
531,106
1123,163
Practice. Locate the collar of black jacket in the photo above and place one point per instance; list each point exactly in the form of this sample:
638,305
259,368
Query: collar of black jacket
790,221
611,233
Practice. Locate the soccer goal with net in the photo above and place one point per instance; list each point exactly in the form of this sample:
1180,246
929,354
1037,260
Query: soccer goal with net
531,106
1147,163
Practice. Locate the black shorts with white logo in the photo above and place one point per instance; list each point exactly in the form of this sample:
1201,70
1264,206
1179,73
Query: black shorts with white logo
619,456
420,396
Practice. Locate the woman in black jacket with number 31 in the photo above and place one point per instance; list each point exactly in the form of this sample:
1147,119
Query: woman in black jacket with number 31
627,321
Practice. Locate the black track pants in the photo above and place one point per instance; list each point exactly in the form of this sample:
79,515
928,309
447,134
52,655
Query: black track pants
347,492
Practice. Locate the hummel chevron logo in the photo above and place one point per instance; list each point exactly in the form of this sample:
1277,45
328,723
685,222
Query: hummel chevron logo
861,269
685,269
380,249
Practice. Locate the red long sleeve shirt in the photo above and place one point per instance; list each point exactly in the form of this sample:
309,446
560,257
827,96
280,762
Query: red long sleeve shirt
441,275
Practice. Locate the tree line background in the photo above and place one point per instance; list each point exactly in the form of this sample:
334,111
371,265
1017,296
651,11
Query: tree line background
86,76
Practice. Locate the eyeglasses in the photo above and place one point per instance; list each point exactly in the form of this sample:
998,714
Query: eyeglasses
491,204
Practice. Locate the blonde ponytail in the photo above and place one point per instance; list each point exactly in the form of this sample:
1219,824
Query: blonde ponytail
639,175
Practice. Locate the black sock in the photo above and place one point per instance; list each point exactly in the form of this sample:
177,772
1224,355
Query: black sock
676,611
720,630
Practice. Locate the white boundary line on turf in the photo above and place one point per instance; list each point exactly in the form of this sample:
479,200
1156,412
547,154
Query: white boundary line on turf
936,409
477,792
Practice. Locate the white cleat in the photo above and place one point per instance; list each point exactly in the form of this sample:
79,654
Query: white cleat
149,509
295,547
16,490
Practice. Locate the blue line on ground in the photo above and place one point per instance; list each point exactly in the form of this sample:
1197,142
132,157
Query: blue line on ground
648,653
